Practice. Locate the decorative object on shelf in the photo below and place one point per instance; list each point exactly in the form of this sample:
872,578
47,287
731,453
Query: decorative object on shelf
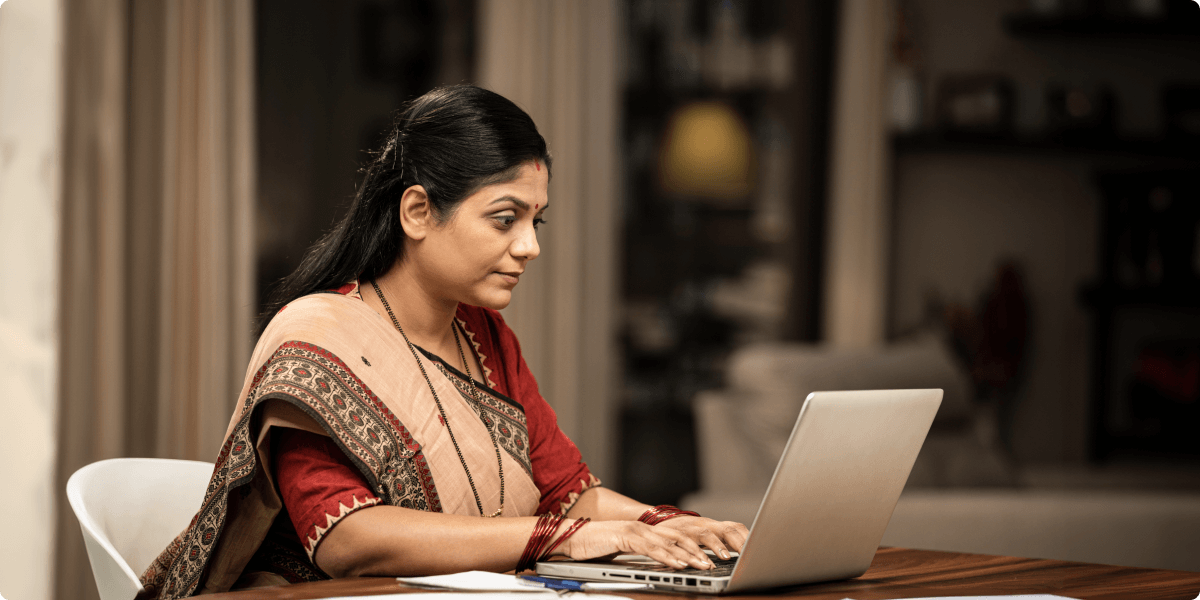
1148,19
1146,315
1181,109
992,339
707,154
1079,113
1144,9
980,104
1154,224
1164,397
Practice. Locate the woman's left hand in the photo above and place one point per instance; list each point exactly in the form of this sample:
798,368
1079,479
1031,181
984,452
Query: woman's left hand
719,536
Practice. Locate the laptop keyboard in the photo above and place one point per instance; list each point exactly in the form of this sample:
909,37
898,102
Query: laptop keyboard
722,568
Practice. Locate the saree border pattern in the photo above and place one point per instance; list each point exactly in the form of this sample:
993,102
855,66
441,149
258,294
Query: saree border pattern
176,572
487,371
504,417
356,419
319,383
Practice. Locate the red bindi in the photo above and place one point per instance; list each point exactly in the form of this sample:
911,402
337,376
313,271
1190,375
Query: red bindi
537,166
536,205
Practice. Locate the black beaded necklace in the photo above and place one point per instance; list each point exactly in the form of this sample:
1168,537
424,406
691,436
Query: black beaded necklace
442,411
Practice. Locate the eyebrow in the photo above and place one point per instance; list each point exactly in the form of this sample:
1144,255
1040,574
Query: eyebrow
523,205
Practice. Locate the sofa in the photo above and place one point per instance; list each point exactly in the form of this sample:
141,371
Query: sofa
964,493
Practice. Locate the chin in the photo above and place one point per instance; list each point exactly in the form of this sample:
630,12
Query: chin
493,299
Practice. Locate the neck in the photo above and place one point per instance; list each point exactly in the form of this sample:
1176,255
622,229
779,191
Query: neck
426,319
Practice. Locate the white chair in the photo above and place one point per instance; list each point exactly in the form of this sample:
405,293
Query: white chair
129,510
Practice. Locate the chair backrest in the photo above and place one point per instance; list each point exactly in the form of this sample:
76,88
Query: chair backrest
129,510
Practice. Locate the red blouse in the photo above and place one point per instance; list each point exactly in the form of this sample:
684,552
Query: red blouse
319,485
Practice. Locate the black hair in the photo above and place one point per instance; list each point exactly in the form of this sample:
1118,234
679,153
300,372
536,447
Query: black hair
452,141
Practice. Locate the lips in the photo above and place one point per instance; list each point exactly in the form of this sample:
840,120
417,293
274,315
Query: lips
510,277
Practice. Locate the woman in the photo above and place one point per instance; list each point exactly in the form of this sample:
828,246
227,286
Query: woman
387,407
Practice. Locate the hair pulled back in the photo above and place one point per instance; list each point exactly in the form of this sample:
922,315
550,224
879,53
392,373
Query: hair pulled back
451,141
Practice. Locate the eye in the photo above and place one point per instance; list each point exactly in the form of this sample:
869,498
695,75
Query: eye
505,219
538,221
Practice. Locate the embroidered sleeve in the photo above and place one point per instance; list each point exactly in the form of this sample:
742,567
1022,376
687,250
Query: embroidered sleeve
318,484
558,467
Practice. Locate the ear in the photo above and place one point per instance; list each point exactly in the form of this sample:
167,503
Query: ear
416,212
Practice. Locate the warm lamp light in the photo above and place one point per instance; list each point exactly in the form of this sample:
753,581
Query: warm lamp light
707,153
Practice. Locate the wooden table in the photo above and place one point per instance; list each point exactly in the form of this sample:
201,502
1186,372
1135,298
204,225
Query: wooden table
895,573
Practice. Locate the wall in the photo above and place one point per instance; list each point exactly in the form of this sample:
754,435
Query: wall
30,40
318,116
330,79
956,215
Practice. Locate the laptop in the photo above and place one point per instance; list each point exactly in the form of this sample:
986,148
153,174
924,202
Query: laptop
825,510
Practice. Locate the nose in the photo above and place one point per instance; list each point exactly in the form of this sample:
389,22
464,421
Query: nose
526,246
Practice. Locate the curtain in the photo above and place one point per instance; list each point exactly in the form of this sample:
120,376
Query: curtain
156,297
558,61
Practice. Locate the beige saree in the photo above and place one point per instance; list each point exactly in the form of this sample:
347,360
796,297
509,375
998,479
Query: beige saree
329,364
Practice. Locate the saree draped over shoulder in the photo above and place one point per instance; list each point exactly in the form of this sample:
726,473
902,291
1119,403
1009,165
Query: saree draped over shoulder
329,365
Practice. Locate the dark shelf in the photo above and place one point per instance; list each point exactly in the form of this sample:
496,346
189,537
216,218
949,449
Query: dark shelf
1032,26
1112,296
934,142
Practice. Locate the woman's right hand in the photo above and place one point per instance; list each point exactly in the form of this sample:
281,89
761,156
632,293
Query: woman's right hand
602,538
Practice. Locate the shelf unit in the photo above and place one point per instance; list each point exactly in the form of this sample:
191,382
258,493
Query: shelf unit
1184,25
950,142
1123,313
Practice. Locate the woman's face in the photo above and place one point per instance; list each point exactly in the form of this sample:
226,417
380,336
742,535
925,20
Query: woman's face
479,254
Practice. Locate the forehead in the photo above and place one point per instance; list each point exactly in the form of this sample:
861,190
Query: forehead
531,186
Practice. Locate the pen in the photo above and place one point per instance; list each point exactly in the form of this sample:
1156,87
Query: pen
550,584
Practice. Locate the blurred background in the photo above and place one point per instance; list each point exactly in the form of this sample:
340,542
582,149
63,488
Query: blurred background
754,199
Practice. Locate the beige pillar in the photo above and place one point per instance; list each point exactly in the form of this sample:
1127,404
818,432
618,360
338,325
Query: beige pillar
30,156
557,60
859,203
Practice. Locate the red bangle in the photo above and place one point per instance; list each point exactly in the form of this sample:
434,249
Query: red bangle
566,534
543,532
662,512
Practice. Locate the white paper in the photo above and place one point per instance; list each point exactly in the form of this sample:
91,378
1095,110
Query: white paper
485,581
536,595
475,581
1005,597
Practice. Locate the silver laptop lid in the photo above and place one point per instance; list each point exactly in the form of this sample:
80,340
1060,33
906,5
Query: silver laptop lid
834,489
828,504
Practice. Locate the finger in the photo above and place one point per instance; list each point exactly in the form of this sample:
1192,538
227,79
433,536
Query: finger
686,548
646,540
661,551
688,559
735,535
707,533
714,543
